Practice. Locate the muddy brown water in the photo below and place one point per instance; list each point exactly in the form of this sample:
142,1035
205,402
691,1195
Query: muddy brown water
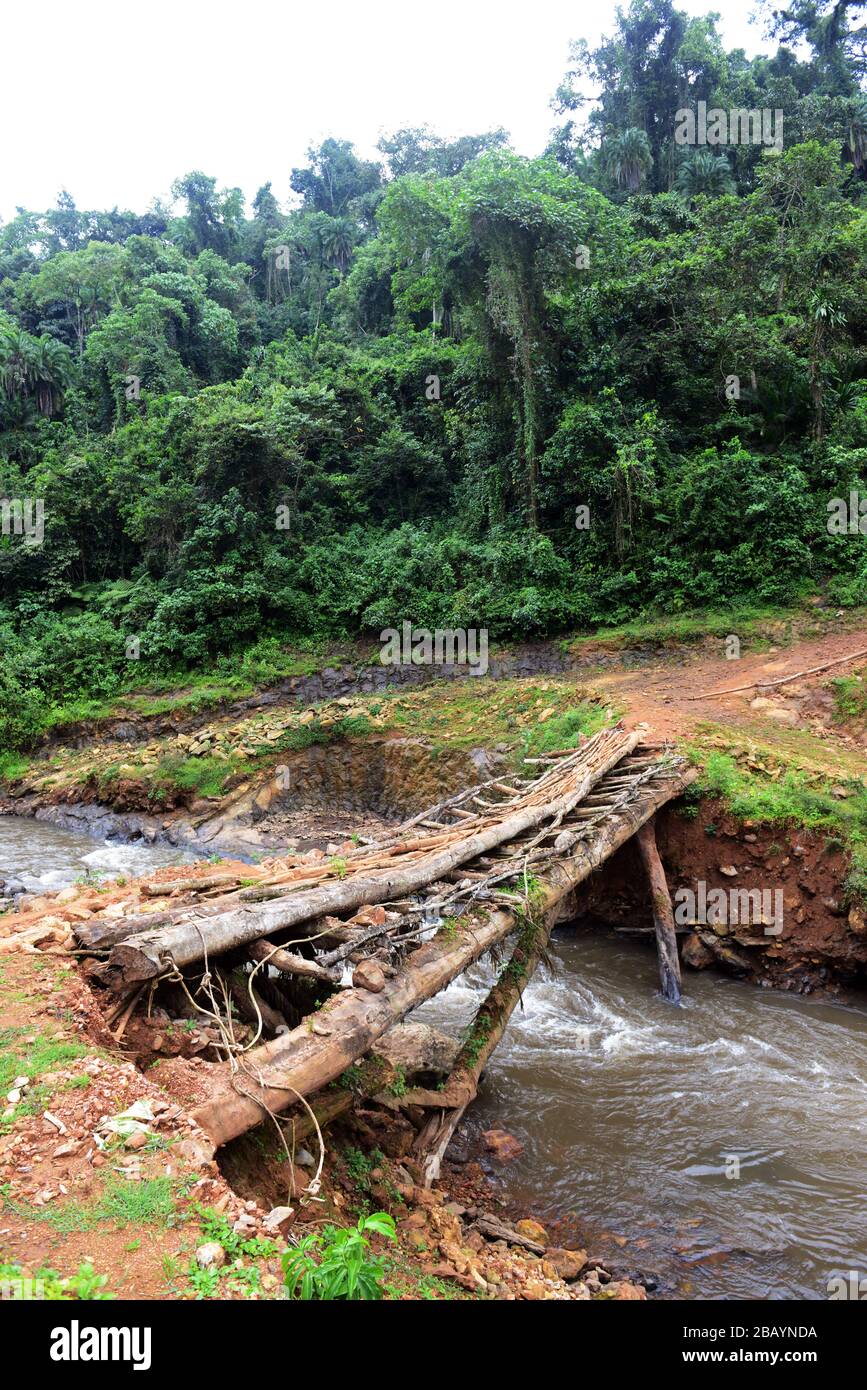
632,1112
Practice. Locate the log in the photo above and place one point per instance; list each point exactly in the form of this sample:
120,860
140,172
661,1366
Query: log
290,964
663,917
149,954
498,1230
190,885
97,935
489,1025
270,1078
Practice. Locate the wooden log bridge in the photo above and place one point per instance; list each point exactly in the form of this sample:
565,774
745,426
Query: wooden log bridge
411,912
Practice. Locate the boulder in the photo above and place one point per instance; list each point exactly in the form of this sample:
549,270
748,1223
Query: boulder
568,1264
368,975
278,1220
502,1145
533,1230
417,1049
693,952
211,1255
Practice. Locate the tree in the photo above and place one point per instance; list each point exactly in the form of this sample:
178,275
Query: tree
84,284
34,368
336,181
839,45
213,219
703,172
419,150
627,159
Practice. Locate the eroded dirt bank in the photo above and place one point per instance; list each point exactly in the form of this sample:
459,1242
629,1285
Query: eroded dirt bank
103,1175
822,938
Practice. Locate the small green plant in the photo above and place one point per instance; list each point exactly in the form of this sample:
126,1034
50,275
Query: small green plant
49,1286
336,1264
360,1165
90,878
398,1086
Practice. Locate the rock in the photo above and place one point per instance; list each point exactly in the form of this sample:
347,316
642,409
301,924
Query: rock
695,954
857,921
533,1230
197,1152
279,1219
211,1255
375,916
568,1264
417,1048
136,1140
263,800
729,870
502,1145
625,1292
368,975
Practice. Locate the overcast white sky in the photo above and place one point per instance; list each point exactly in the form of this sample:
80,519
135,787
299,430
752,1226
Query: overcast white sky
114,100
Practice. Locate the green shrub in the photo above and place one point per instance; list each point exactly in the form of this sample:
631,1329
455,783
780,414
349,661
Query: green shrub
336,1264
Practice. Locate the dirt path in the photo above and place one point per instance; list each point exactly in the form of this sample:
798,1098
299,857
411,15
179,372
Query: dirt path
664,697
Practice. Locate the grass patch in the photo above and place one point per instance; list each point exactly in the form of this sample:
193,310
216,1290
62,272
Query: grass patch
120,1204
18,1058
755,625
850,697
794,797
566,730
12,766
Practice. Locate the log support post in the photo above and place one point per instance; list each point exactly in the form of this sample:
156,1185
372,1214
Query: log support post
663,917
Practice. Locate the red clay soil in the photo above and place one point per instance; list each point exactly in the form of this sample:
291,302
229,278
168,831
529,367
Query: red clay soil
665,696
823,943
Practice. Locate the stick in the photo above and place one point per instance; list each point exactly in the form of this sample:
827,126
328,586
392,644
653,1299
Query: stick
663,917
784,680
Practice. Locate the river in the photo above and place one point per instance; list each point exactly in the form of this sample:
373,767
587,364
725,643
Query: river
41,855
634,1112
719,1147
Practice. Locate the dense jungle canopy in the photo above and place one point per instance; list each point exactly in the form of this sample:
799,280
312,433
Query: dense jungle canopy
381,390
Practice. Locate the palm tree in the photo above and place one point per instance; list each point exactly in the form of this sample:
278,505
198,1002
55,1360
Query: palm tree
52,369
703,172
34,368
338,241
16,362
627,158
